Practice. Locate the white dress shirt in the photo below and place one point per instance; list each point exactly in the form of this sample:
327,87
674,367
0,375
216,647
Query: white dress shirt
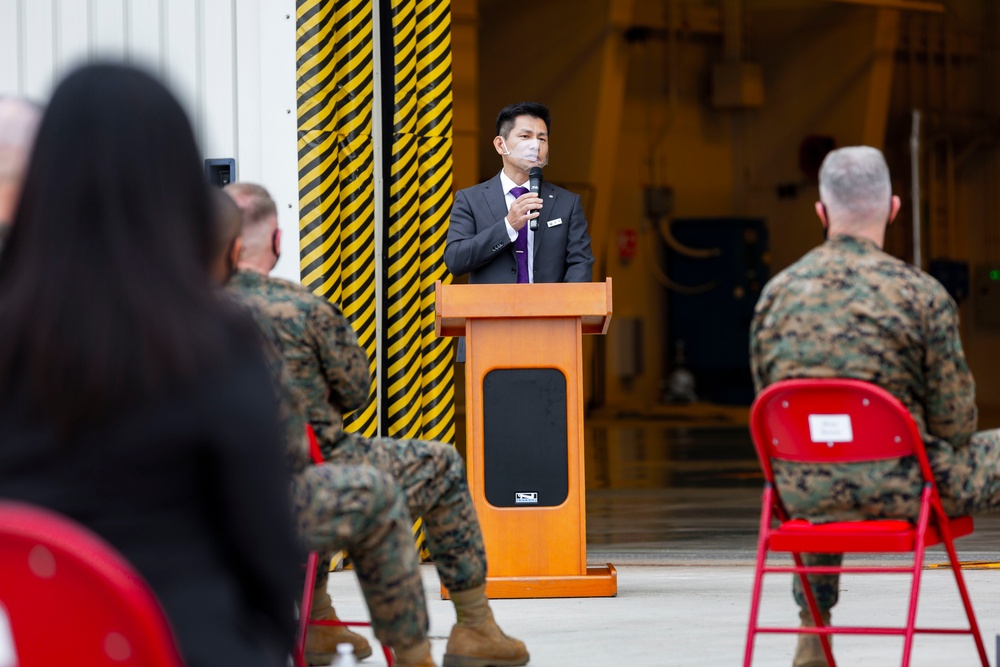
508,185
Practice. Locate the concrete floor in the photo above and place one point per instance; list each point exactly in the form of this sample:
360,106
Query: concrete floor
675,509
694,613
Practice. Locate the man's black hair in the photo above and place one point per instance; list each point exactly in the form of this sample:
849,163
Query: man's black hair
510,113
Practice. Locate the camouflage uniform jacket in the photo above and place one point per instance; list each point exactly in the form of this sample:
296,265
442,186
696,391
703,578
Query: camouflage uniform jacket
847,309
291,408
321,350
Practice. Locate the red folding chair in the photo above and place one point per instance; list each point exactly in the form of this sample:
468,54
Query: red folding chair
847,421
49,562
310,583
314,450
304,620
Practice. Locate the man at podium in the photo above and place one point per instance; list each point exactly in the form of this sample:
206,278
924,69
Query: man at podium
515,228
524,404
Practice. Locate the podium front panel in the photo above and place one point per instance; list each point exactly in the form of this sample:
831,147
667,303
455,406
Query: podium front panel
524,538
525,452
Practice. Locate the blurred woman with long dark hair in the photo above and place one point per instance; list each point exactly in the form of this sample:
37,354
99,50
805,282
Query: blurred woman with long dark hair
132,398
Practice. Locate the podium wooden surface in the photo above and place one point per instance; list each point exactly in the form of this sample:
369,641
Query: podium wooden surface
532,551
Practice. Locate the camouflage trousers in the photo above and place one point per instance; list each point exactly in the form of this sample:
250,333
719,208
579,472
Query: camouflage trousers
432,476
968,479
362,511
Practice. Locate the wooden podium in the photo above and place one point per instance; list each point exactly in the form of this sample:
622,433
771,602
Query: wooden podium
524,410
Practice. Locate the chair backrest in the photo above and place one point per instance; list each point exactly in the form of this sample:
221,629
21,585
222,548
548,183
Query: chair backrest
832,421
70,598
314,450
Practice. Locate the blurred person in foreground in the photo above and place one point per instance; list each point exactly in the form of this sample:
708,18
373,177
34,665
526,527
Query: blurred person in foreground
352,508
847,309
134,398
18,124
332,373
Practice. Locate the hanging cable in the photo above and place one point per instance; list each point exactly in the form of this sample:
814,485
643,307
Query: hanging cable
654,266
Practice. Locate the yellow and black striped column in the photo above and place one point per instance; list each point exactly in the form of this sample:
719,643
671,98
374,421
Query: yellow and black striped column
434,127
419,397
403,358
338,228
336,168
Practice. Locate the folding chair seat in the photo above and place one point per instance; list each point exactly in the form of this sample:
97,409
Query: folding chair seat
50,562
312,563
847,421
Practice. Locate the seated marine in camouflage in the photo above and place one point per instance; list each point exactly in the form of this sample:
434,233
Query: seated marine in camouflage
847,309
332,372
353,508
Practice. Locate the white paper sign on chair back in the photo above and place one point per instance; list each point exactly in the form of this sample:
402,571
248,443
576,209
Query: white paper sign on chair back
8,656
830,428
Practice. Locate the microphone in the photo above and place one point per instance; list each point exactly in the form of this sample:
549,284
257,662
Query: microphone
534,185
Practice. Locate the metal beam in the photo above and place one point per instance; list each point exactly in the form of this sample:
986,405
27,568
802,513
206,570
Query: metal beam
607,123
603,158
905,5
880,80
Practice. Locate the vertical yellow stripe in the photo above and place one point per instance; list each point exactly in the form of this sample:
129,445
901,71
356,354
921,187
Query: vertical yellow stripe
403,352
336,168
420,389
336,186
434,127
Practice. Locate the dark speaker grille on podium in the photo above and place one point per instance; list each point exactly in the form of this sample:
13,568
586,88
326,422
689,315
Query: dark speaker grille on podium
525,441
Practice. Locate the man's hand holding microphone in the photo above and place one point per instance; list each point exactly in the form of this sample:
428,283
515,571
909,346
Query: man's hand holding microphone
527,207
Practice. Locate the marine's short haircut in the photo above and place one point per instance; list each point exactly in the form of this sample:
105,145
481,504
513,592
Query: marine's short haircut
855,181
255,200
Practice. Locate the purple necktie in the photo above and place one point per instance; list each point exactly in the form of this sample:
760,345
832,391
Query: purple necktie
521,243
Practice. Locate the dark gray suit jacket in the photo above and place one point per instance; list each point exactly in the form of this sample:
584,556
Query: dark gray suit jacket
478,243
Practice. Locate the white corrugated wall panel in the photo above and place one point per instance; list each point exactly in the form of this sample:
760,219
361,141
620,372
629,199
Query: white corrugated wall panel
219,80
181,55
249,99
72,33
278,120
37,52
145,43
109,28
10,45
230,62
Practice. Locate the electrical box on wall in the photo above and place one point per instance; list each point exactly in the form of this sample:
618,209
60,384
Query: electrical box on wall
220,172
986,296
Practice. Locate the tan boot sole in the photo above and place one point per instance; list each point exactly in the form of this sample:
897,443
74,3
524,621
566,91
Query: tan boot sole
452,660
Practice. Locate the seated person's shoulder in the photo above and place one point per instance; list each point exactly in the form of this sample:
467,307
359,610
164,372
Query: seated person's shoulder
270,289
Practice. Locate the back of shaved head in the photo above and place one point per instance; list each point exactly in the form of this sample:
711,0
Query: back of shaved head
256,202
260,224
19,120
855,187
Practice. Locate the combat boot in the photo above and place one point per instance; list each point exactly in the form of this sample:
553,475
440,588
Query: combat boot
322,640
418,655
477,640
809,650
